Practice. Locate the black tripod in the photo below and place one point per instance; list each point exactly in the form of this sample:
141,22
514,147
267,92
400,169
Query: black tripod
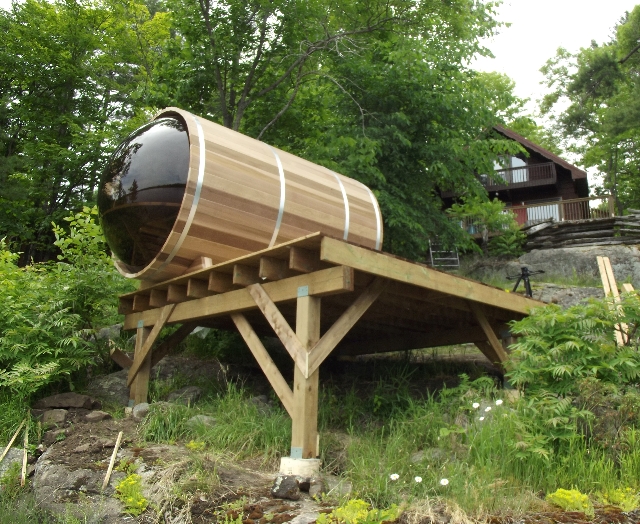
524,276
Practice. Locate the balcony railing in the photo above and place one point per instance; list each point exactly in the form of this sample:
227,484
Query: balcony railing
530,214
517,177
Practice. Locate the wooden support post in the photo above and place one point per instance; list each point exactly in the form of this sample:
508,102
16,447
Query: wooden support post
304,429
220,282
197,288
158,298
176,293
245,275
140,302
140,385
611,287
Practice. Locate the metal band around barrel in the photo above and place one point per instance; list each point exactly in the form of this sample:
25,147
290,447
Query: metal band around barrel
378,216
282,197
346,206
196,198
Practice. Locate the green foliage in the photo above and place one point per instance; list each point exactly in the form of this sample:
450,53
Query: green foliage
571,500
594,104
129,492
557,348
489,216
10,482
357,511
626,499
49,312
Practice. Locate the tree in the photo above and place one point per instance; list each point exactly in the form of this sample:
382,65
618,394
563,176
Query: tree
375,90
600,87
72,74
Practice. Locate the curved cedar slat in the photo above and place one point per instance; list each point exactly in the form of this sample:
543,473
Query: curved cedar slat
232,202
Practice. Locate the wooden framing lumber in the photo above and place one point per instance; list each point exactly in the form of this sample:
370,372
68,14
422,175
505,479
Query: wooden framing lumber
271,371
303,260
628,287
492,339
176,293
324,282
304,425
220,282
172,341
197,288
279,324
488,351
274,269
139,388
140,302
158,298
341,327
125,305
144,350
199,264
611,288
119,357
380,264
245,275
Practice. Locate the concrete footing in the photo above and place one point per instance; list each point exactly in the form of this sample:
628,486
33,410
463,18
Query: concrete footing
299,467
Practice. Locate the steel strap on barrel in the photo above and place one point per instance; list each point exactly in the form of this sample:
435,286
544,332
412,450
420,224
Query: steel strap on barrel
276,230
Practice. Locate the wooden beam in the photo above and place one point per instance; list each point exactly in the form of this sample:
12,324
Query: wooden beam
628,287
342,326
324,282
611,287
176,293
158,298
496,345
245,275
303,260
304,425
125,305
488,351
410,340
140,302
268,366
220,282
139,389
119,357
197,288
144,351
362,259
280,325
172,341
199,264
274,269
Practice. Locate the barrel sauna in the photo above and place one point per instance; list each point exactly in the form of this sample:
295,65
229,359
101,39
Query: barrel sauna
181,187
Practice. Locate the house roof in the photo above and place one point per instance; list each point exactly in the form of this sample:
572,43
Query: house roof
576,173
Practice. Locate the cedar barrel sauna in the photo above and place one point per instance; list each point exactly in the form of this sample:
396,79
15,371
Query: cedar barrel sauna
181,187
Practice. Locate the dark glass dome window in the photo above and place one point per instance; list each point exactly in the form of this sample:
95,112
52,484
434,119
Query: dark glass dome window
141,191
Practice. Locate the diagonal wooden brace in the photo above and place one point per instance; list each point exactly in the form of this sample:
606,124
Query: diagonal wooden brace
280,325
488,331
141,355
271,371
343,325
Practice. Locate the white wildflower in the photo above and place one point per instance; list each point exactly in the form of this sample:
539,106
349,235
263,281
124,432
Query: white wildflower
475,405
394,476
481,419
487,409
498,402
418,479
444,482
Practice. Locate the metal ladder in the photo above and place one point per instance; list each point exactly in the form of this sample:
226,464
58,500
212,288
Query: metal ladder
442,258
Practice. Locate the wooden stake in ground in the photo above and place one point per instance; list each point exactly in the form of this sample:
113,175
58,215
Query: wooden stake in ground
15,435
23,476
611,287
112,462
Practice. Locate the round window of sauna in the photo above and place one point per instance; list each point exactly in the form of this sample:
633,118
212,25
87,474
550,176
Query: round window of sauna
141,191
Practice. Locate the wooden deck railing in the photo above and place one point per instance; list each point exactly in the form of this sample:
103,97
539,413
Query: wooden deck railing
574,209
517,177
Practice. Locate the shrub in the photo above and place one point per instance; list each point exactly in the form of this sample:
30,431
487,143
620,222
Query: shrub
571,500
49,312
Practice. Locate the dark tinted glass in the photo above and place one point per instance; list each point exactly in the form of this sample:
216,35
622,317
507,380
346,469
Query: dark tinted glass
141,190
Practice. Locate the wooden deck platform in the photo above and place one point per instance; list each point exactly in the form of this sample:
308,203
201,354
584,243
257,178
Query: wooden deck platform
340,298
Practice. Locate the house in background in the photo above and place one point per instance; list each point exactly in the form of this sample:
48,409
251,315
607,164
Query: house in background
539,186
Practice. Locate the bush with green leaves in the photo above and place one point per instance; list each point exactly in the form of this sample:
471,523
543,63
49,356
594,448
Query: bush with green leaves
49,313
559,347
